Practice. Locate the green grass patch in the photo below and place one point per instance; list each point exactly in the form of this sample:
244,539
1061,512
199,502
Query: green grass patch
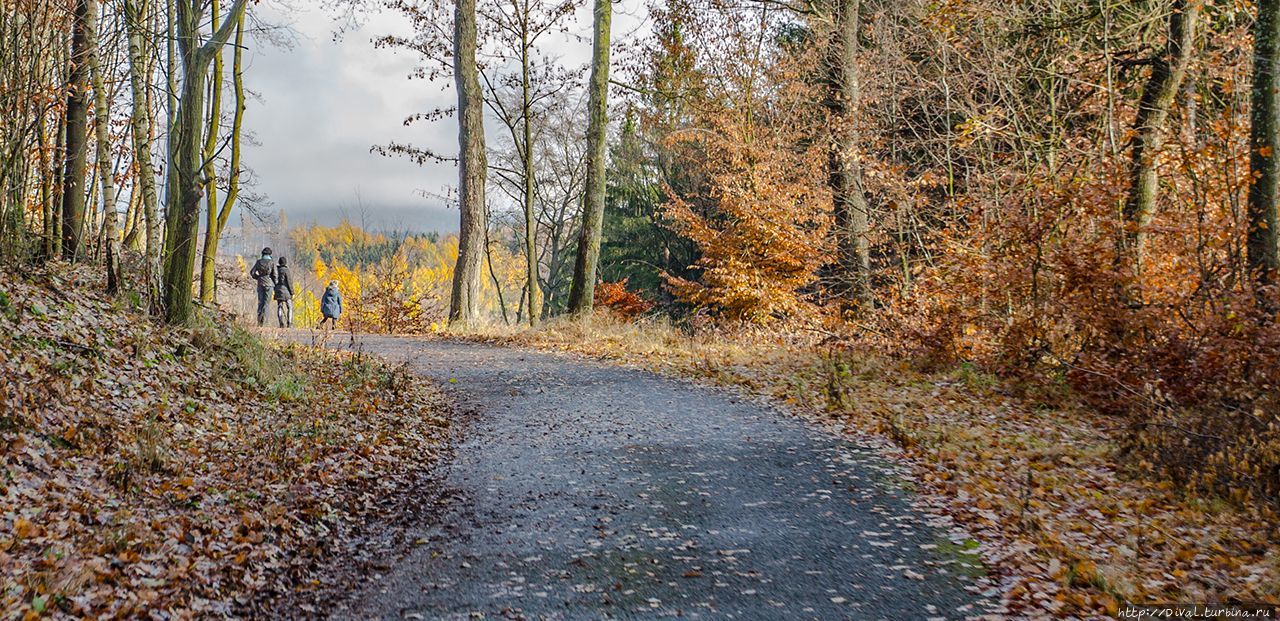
965,554
6,307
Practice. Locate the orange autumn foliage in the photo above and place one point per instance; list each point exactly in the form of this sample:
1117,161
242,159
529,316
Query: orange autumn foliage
765,237
996,144
759,212
621,302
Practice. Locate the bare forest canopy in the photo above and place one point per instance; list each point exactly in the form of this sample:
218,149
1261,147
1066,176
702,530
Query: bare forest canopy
1081,195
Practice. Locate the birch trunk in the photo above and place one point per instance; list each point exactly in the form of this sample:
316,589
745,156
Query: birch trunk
140,126
102,130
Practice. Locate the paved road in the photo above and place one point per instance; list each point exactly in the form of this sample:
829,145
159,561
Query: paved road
588,491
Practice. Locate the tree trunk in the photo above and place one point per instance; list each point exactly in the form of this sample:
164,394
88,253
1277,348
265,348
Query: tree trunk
464,305
1264,151
1167,74
233,174
184,181
214,218
59,188
132,219
497,285
46,189
582,288
210,174
526,156
77,120
102,129
183,197
140,125
171,69
851,210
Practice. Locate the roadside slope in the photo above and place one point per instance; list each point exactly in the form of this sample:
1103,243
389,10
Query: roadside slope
182,472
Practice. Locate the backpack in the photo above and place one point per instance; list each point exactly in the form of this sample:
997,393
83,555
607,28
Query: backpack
261,272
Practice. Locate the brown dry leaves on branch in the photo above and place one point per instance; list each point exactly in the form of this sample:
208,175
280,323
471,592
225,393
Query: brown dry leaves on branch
192,471
768,236
1068,531
615,297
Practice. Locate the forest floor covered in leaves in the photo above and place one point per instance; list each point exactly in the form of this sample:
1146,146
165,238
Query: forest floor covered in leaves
1076,530
186,472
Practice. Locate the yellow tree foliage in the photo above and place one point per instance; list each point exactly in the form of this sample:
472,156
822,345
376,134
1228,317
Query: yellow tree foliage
320,270
306,309
313,240
397,284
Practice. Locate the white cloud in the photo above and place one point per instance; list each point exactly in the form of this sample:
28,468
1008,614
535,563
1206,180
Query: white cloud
324,103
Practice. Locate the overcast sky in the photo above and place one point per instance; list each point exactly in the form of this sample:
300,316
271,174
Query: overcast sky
321,104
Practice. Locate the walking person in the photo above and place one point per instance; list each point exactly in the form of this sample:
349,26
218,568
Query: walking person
331,305
264,274
284,294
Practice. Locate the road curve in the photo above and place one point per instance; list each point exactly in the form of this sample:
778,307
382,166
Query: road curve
582,490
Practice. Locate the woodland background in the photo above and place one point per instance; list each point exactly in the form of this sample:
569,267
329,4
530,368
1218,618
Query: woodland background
1056,192
1075,197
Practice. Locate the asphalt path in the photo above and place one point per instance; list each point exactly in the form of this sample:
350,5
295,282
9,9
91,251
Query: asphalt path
584,490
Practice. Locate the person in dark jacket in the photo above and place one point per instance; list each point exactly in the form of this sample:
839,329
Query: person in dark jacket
284,294
264,274
331,304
